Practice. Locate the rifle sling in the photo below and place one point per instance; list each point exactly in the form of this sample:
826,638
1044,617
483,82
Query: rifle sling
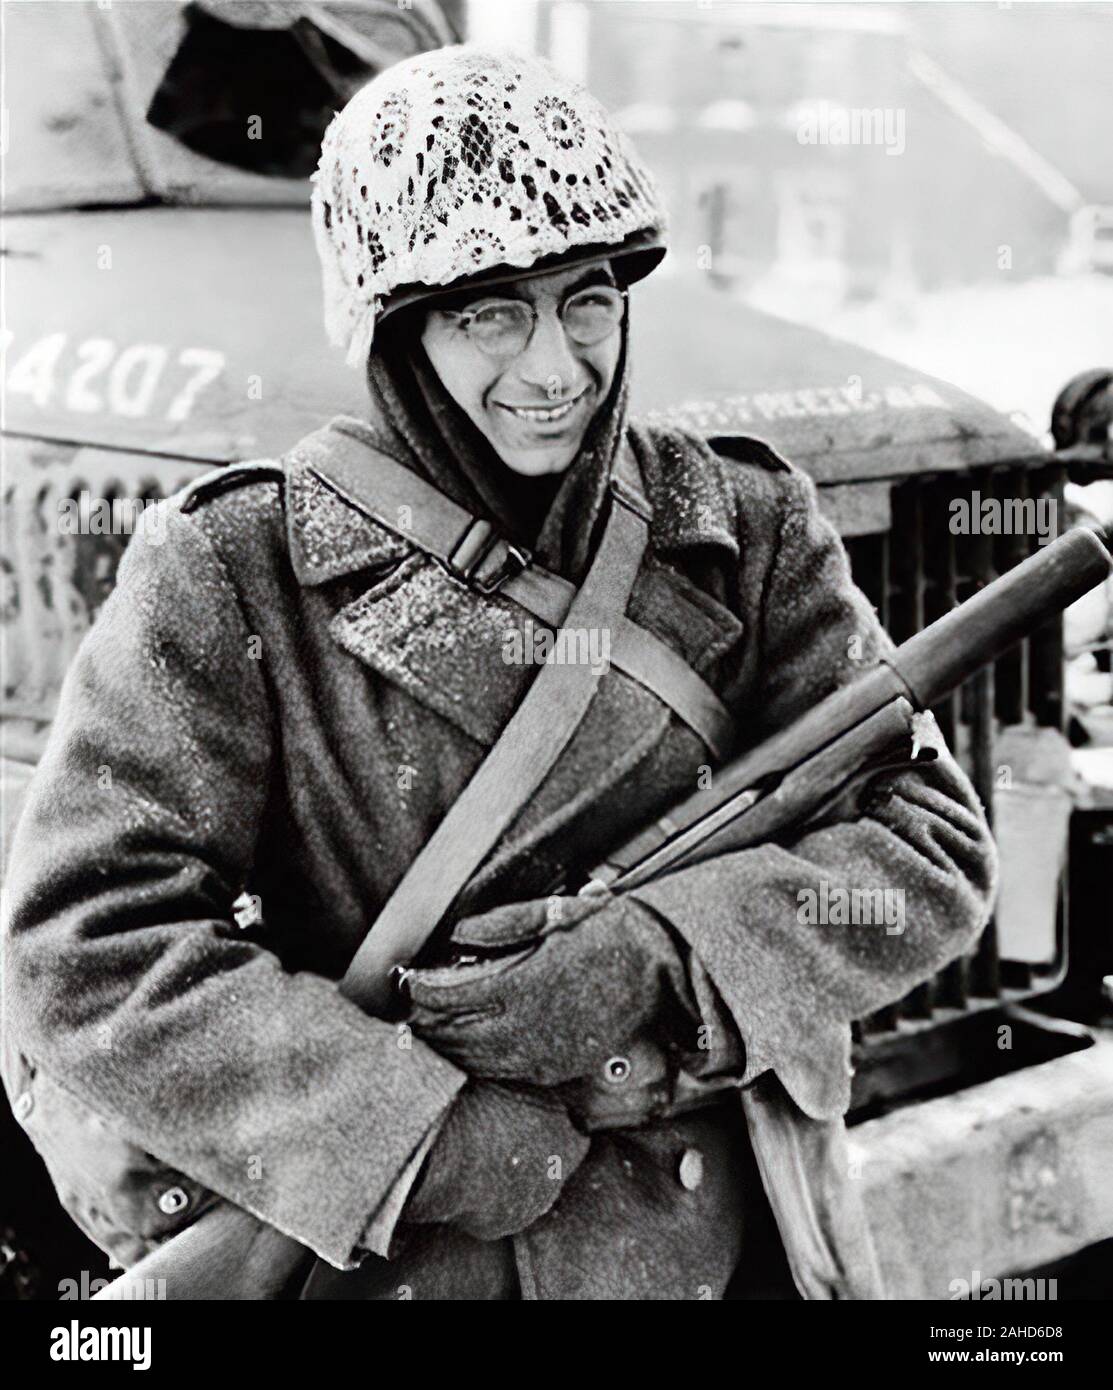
468,547
525,751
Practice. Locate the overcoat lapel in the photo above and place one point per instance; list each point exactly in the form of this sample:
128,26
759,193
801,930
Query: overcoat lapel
449,646
328,538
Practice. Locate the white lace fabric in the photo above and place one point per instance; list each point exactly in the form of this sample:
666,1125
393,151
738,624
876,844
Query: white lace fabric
459,161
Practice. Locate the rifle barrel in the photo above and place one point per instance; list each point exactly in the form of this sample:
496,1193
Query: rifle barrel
943,655
924,669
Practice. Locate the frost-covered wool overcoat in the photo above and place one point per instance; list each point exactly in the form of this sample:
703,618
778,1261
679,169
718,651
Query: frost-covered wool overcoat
282,697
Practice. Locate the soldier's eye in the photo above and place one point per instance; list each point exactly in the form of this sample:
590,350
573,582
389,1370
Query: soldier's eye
504,314
501,328
591,315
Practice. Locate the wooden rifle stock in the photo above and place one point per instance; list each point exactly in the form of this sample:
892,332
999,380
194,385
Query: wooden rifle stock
229,1254
226,1254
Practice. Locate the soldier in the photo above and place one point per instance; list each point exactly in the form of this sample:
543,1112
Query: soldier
615,1097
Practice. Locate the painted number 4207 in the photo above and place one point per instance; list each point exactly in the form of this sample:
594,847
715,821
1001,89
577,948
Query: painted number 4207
124,381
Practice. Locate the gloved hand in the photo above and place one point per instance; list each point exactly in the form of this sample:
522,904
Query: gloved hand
498,1164
593,974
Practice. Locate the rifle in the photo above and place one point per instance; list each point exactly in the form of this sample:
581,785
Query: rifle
780,784
789,778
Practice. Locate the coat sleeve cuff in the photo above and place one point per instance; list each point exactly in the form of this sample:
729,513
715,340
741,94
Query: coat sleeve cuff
813,1067
378,1237
340,1228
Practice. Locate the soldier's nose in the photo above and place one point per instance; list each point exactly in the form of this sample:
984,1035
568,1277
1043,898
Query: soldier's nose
549,360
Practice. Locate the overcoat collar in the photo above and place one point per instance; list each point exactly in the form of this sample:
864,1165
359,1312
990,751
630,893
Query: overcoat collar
687,483
328,537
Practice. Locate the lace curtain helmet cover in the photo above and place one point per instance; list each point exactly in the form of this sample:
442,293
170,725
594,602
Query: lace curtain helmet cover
456,162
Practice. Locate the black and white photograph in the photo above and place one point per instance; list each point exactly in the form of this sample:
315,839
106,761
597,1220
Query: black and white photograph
557,726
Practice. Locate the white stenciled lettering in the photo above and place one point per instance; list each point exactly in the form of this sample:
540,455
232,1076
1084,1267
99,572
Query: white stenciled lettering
96,375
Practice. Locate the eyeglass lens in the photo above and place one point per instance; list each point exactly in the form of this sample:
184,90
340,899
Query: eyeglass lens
504,327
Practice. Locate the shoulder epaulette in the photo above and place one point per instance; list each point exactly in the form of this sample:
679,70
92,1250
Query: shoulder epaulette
743,448
222,480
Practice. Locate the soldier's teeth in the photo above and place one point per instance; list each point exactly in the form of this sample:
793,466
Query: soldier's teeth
541,413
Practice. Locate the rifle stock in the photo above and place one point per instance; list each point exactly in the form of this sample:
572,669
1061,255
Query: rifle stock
229,1254
226,1254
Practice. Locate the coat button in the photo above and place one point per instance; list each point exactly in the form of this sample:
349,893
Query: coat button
24,1104
690,1171
173,1200
617,1070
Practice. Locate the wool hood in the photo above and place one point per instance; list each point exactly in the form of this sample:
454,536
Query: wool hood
412,417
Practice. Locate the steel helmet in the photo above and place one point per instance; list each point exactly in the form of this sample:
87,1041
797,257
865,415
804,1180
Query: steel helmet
464,162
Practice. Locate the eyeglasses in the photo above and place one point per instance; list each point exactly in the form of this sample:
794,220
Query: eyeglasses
504,327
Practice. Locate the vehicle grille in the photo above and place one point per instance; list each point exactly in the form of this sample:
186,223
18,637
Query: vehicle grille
913,574
54,581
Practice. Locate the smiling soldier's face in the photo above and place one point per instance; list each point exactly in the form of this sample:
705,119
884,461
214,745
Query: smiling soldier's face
534,405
